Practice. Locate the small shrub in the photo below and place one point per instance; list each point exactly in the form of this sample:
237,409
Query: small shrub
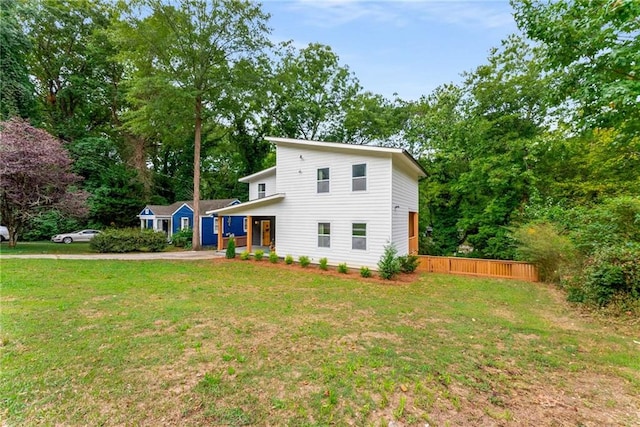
409,263
304,261
245,255
258,255
389,265
365,272
182,238
324,264
288,260
342,268
231,249
273,257
613,272
542,245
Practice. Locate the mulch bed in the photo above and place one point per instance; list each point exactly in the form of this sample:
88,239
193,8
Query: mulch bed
354,273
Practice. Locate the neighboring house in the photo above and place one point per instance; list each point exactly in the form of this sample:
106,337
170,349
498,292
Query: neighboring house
179,216
340,201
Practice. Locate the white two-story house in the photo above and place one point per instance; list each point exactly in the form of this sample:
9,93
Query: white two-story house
337,201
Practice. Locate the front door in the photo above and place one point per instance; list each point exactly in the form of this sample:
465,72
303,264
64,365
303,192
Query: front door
266,233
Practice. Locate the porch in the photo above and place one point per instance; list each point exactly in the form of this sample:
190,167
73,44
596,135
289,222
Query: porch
261,235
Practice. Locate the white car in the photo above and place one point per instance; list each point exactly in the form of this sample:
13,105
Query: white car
4,233
76,236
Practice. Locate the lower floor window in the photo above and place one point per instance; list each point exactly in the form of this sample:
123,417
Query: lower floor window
184,223
324,235
359,236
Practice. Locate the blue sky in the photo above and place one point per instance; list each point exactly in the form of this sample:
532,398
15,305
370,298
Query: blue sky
403,47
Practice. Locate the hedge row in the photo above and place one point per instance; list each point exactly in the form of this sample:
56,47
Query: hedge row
129,240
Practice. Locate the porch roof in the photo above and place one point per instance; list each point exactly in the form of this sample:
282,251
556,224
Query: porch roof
242,208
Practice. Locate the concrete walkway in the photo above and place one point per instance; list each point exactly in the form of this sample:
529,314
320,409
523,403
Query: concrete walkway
187,255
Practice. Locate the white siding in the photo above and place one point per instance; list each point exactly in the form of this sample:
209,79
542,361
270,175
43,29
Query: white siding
301,210
270,182
405,200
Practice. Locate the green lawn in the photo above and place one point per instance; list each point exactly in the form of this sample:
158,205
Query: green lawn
238,343
30,248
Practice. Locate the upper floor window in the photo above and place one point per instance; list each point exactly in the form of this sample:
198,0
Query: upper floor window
262,190
359,236
324,235
323,180
359,177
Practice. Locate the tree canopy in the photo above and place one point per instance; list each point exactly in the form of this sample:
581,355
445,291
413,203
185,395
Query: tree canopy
36,174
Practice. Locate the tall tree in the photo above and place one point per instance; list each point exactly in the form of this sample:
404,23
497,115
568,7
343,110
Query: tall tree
36,173
183,55
67,65
477,143
596,45
312,93
16,90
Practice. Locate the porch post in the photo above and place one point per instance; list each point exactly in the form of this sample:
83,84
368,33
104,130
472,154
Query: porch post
219,219
249,232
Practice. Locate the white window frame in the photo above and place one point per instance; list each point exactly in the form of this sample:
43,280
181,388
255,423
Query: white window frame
216,229
184,223
354,236
262,194
327,235
359,178
245,223
322,181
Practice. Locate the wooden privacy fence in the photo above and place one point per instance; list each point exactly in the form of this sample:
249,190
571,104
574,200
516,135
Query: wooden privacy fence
479,267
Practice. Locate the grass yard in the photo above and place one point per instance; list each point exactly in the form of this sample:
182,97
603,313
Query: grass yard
31,248
37,248
240,343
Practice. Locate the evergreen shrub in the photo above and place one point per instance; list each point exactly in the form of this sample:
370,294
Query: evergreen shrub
231,249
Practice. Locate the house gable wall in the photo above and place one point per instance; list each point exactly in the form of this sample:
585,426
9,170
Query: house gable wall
176,218
299,213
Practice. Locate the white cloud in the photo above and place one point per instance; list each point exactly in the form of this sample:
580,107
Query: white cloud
477,13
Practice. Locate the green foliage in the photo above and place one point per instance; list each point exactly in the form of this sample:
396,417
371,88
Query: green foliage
611,272
273,257
542,245
303,77
389,265
288,259
129,240
245,255
596,47
258,255
182,238
342,268
408,263
47,224
304,261
365,272
231,249
323,264
16,91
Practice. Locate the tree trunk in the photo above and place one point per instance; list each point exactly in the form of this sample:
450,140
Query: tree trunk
196,244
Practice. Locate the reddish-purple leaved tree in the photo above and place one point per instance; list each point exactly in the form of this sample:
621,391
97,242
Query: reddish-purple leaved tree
34,175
